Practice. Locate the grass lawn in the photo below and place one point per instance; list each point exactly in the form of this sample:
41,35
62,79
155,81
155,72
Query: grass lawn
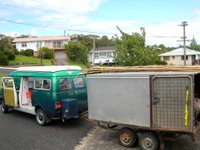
3,75
28,60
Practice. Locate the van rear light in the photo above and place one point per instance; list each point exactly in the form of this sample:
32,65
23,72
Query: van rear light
58,105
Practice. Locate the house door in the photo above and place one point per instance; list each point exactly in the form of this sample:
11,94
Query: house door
172,102
10,95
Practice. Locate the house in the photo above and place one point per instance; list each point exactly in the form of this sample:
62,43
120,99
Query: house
102,55
57,43
176,57
34,43
78,37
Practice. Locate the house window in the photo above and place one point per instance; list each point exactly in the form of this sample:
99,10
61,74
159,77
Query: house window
173,57
182,57
65,84
58,44
42,84
109,54
24,44
102,54
96,55
166,58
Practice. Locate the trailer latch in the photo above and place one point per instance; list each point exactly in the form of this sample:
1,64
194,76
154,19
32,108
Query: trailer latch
156,100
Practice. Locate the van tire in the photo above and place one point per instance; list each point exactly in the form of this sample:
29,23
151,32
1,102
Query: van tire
4,107
41,117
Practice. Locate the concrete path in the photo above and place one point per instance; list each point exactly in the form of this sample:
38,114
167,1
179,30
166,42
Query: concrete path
102,139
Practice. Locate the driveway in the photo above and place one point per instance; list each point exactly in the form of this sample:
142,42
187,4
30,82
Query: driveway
102,139
19,131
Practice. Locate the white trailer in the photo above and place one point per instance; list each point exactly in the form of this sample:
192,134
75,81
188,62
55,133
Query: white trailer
147,106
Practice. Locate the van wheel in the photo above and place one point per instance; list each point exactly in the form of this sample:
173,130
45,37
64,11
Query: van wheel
148,141
4,107
41,117
127,137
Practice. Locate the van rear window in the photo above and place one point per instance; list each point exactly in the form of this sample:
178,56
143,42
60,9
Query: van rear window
65,84
79,82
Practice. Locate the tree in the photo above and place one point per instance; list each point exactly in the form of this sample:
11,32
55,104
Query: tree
104,41
193,44
6,51
77,52
131,50
88,42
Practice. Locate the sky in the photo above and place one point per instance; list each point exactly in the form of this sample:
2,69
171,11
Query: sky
160,18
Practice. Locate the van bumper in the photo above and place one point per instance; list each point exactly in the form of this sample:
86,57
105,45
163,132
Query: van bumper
69,109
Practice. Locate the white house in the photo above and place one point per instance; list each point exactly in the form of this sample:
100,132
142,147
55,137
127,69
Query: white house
34,43
176,57
102,55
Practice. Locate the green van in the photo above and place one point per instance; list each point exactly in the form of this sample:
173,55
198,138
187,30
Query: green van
48,92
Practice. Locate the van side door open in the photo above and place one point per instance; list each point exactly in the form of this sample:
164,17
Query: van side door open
10,94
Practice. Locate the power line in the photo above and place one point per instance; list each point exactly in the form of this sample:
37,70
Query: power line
50,27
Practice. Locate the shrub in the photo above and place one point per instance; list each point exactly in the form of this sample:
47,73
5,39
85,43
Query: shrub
77,52
27,52
46,52
16,52
4,59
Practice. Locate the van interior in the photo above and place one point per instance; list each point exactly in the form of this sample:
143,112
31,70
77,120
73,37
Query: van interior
25,91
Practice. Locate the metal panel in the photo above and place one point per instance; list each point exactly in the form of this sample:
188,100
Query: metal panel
172,103
119,99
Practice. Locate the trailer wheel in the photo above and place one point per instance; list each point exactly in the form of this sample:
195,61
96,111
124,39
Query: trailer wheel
127,137
41,117
148,141
4,107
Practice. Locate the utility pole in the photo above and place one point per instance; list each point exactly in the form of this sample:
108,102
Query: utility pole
184,24
94,45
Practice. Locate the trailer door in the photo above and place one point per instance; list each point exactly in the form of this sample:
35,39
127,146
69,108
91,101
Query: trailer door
10,95
172,103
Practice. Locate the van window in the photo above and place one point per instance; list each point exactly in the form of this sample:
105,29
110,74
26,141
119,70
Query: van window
8,83
65,84
42,84
79,82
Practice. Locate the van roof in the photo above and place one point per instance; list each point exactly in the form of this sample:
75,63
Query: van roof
48,68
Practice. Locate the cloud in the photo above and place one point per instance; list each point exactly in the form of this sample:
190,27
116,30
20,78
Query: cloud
59,8
76,14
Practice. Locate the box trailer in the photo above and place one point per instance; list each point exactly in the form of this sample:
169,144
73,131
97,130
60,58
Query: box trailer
147,106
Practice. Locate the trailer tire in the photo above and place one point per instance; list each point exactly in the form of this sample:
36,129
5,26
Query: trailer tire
4,107
41,117
127,137
148,141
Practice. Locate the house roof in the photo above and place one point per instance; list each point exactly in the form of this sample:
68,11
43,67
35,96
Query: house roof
180,52
105,48
45,38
